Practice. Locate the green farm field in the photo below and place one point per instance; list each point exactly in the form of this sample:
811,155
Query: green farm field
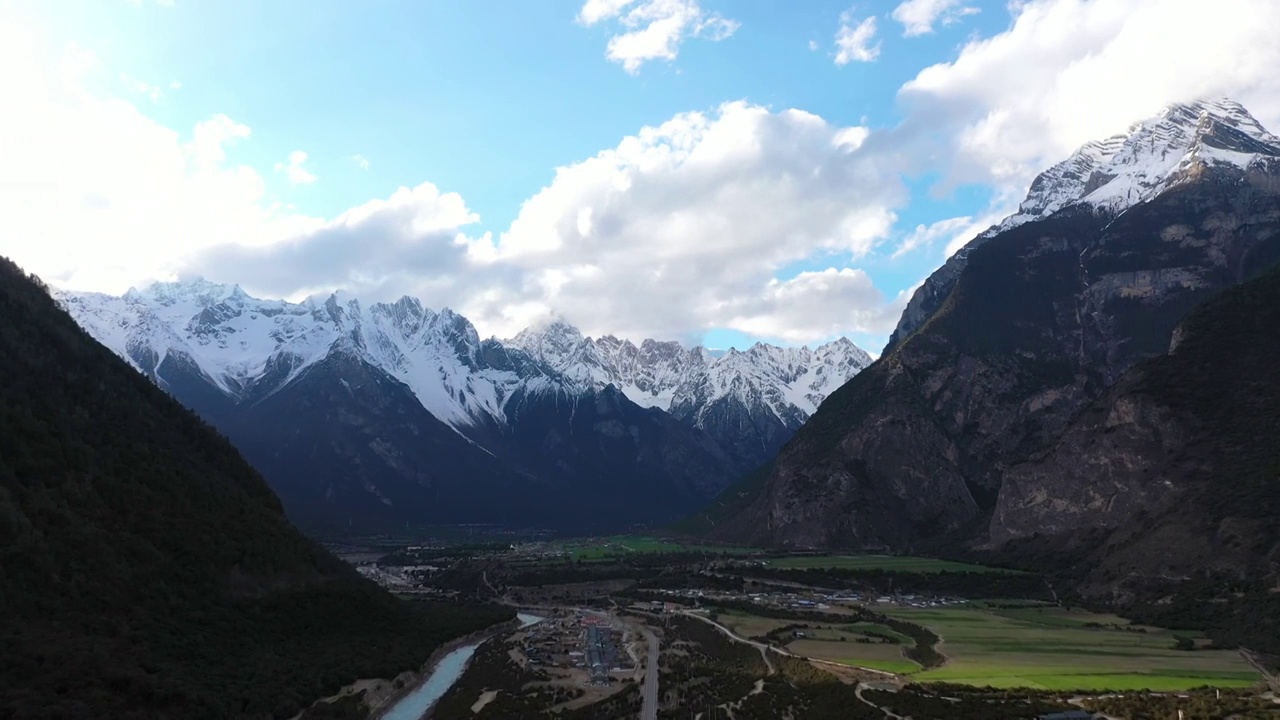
1055,649
893,563
622,545
833,642
749,625
876,656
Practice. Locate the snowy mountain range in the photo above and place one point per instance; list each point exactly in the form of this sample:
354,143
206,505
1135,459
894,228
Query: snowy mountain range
1110,176
233,358
789,382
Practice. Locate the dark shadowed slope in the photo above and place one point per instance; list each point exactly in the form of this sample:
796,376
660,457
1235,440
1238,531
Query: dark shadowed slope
146,571
1170,483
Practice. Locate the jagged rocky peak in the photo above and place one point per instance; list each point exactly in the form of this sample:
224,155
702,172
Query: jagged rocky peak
662,349
1150,157
1112,175
193,288
843,352
549,341
237,341
459,333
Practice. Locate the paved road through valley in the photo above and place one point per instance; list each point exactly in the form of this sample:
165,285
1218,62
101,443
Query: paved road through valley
650,694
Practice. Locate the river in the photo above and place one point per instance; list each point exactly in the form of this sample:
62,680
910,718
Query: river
446,672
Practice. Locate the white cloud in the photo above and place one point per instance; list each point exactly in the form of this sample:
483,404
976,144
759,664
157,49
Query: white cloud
653,29
683,227
595,11
919,16
155,93
361,161
410,242
813,45
678,229
693,224
927,235
1069,71
801,309
854,42
294,170
96,195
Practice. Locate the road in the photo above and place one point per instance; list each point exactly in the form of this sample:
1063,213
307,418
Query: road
887,712
1250,658
650,691
766,649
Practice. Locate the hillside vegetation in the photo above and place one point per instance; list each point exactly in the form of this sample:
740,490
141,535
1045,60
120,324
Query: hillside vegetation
146,571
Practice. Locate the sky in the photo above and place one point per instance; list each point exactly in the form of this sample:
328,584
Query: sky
711,171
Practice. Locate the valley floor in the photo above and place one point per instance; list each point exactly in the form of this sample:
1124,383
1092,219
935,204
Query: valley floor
756,633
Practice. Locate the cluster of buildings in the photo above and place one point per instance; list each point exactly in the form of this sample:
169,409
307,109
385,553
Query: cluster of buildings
582,643
807,599
537,550
601,655
405,579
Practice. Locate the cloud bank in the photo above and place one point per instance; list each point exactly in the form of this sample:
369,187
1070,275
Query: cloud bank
742,217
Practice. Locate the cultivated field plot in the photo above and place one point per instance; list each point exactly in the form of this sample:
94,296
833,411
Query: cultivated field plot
749,626
622,545
1055,649
834,642
876,656
894,563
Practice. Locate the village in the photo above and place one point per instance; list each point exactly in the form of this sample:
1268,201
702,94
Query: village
801,599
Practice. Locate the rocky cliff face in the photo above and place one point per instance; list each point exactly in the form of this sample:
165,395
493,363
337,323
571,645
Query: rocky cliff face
1043,315
1173,473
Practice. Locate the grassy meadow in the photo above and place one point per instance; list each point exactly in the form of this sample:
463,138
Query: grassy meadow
830,641
876,656
589,549
1056,649
1043,647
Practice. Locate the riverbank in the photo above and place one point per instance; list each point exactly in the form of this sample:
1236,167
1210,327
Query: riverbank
379,695
404,684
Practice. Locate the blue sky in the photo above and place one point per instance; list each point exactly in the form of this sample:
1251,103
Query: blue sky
472,107
483,97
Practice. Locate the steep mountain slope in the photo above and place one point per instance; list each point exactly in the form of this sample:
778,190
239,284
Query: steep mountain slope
345,444
372,413
146,571
1045,314
1177,460
1166,489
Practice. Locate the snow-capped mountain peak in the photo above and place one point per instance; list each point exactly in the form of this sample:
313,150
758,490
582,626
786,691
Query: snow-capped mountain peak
790,382
1177,145
1152,156
246,347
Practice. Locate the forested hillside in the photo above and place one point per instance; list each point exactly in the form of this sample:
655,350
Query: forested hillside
146,571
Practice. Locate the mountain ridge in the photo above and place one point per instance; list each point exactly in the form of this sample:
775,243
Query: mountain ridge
1035,324
354,446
